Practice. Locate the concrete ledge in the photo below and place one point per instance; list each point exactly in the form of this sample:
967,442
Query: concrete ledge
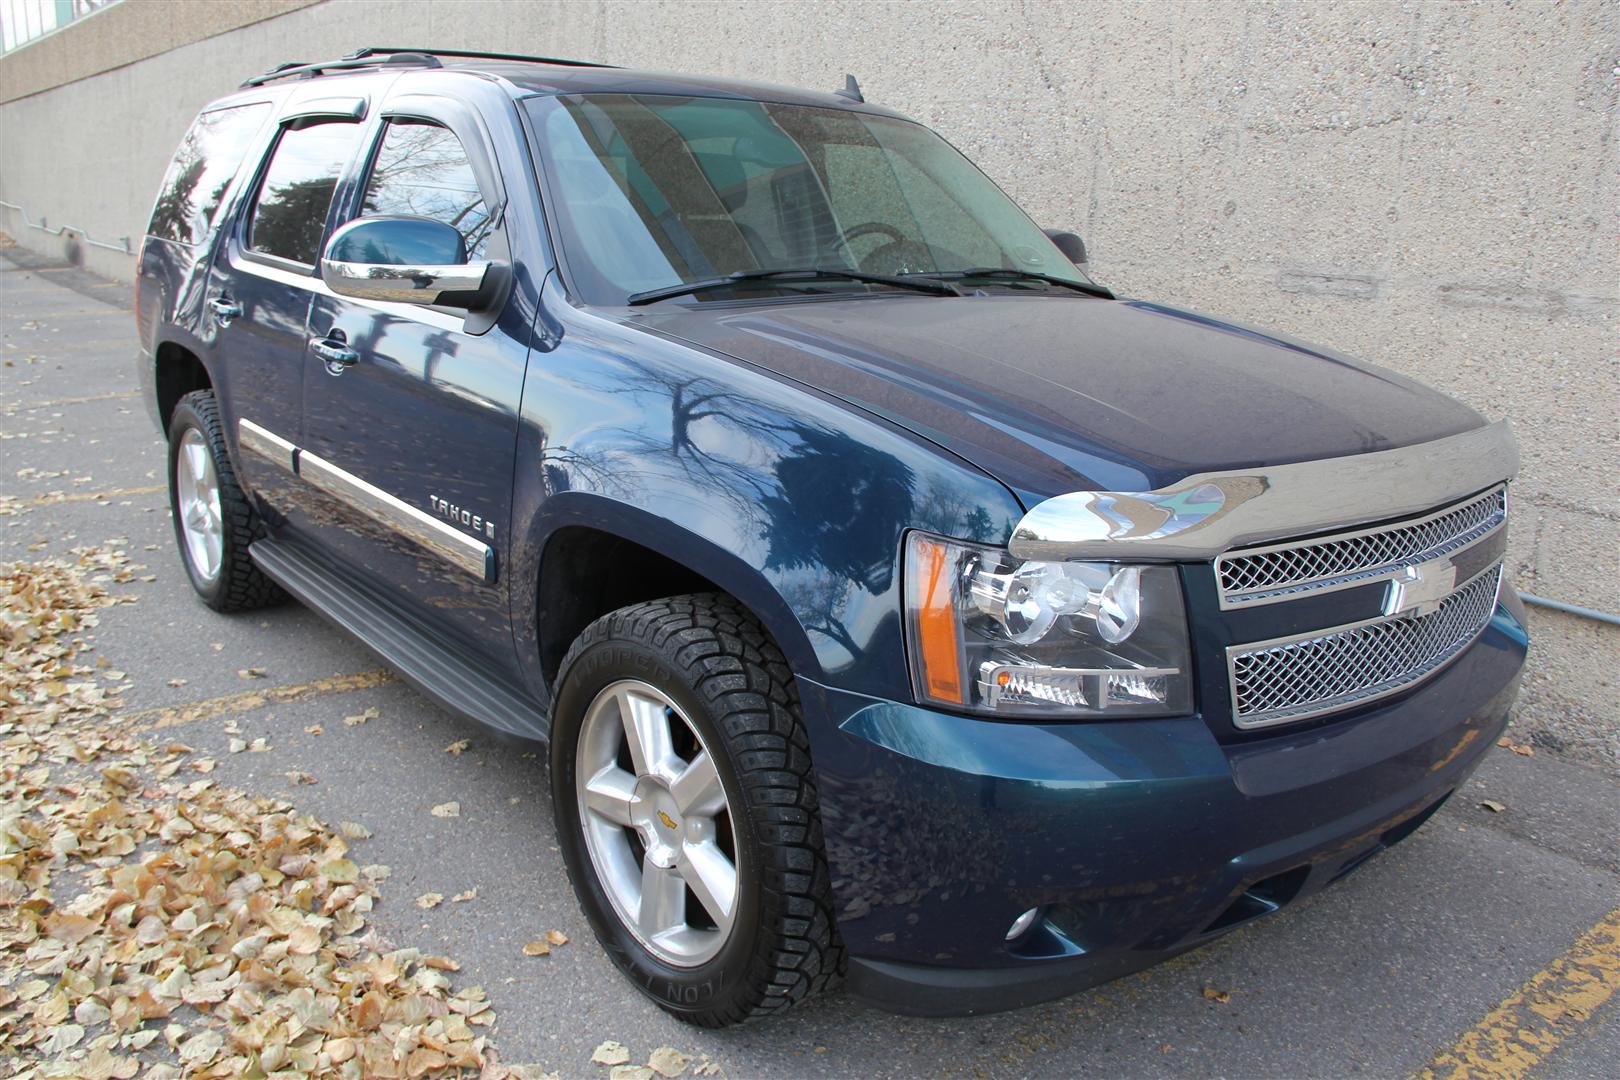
122,34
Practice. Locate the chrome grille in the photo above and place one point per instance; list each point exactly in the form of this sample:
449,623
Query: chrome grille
1261,575
1293,679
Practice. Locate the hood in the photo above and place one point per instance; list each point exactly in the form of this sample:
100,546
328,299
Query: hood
1057,393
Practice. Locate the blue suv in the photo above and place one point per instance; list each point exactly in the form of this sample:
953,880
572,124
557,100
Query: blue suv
899,605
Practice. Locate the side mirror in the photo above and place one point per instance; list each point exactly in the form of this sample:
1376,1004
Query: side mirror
1073,248
407,260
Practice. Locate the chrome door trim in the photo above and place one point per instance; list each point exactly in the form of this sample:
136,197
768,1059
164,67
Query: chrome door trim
451,544
267,444
1210,513
441,538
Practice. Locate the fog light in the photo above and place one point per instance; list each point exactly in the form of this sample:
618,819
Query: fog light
1022,923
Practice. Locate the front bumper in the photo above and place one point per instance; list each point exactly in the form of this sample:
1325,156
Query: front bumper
1136,839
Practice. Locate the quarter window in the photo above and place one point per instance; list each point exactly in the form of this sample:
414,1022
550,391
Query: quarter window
202,168
290,214
422,170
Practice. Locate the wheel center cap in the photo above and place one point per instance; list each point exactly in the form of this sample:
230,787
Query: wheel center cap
658,820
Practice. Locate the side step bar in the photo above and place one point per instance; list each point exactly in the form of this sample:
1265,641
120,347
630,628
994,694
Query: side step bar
445,672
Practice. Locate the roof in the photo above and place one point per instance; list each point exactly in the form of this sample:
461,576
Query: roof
528,76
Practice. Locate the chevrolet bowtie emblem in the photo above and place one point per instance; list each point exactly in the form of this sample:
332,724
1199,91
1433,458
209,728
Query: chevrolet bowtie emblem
669,822
1418,590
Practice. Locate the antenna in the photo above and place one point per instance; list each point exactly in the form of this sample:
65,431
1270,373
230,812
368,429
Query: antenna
851,90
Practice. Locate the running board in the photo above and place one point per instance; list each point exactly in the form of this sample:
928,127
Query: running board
449,674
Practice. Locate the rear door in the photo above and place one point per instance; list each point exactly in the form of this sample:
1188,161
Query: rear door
259,291
425,413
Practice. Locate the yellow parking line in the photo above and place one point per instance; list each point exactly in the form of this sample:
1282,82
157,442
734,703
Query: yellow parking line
30,406
1516,1035
176,715
91,496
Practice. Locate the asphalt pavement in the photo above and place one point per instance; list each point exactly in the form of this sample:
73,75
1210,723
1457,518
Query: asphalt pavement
1484,945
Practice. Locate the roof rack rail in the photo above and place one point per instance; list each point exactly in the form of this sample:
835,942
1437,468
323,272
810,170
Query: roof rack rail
381,56
400,58
378,50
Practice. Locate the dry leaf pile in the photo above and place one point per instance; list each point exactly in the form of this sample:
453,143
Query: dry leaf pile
151,919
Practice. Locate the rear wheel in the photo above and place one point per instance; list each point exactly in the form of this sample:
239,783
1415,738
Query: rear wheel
213,521
687,811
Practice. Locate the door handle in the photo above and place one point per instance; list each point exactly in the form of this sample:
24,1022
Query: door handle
335,353
224,310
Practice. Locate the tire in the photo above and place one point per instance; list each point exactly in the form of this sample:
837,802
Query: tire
234,583
716,668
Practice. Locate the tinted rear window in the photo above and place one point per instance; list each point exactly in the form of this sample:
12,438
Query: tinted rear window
290,212
202,168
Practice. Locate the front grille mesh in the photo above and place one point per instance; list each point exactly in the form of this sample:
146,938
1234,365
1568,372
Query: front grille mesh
1308,676
1317,563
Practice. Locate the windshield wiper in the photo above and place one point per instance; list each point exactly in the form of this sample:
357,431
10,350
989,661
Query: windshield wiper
1016,275
809,273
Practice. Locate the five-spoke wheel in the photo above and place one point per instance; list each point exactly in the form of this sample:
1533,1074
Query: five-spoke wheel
196,488
687,812
657,823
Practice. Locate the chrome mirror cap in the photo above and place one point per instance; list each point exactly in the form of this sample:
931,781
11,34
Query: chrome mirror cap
1205,515
456,286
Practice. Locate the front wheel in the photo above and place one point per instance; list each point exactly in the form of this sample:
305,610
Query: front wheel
687,813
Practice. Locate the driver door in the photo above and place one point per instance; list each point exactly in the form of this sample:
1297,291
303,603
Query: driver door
417,405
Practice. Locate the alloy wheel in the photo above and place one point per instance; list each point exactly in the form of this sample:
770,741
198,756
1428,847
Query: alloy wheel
196,486
657,823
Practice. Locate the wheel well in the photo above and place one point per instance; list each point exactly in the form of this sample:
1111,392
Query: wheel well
586,573
178,373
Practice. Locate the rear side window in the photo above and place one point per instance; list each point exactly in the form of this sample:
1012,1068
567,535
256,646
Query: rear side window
202,168
422,170
289,214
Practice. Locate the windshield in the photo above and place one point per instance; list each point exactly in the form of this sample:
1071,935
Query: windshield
655,191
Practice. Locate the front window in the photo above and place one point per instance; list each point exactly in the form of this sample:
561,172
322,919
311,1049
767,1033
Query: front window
422,171
654,191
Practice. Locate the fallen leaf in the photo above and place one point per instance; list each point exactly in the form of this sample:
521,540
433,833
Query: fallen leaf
1222,996
429,900
236,746
314,729
457,748
540,948
354,830
251,673
1521,749
1493,806
447,810
630,1072
177,683
668,1061
556,937
463,897
296,777
611,1053
360,718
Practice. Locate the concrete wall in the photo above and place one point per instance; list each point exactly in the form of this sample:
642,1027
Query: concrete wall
1435,187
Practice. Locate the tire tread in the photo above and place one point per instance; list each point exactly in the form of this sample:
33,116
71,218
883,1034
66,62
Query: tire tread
737,668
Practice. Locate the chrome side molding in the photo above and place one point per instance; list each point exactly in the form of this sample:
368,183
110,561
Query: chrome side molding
1210,513
437,536
267,444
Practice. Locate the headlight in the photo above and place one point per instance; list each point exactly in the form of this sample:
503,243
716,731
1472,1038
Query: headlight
994,635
